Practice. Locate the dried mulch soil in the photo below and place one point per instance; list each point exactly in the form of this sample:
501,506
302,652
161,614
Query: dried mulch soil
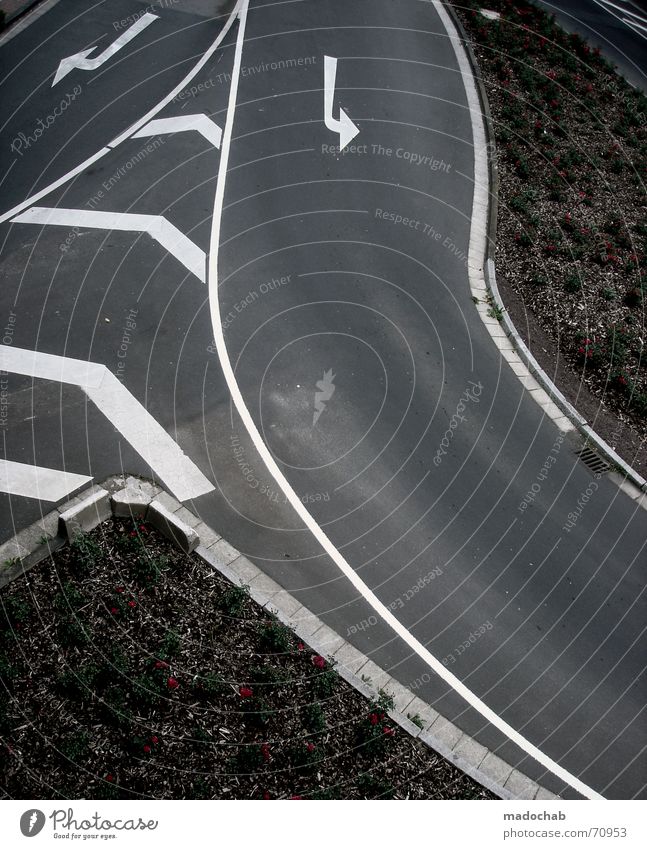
130,670
571,244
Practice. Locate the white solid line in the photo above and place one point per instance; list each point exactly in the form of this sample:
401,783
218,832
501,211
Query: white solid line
38,482
199,123
140,123
380,609
177,471
175,242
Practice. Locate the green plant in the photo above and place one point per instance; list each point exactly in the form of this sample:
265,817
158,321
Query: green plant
274,636
370,787
608,294
233,600
313,717
170,646
146,692
573,283
416,719
78,684
74,747
85,554
324,683
147,570
71,632
495,312
256,712
247,760
211,686
267,677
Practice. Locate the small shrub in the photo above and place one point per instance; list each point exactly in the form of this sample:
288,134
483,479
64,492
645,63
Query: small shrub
247,760
85,554
233,600
211,686
146,692
573,284
170,646
313,717
74,747
370,787
276,637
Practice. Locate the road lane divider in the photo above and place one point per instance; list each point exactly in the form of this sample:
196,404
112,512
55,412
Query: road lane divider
157,227
126,414
181,124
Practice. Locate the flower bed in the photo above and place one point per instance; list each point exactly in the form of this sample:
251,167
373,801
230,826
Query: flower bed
129,670
571,138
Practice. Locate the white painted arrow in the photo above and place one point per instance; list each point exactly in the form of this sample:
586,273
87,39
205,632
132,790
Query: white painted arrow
344,126
175,242
183,123
80,60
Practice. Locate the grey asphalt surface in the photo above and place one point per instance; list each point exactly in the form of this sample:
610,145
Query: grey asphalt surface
316,277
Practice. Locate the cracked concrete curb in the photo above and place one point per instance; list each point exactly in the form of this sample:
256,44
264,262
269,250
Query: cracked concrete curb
128,495
517,353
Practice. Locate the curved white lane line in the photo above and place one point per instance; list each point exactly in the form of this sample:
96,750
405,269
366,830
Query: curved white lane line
383,612
30,201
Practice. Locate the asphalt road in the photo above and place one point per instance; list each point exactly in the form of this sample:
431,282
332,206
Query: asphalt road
347,315
619,27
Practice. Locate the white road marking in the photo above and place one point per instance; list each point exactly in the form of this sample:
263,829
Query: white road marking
161,230
126,135
177,471
637,25
380,609
37,481
344,126
184,123
80,60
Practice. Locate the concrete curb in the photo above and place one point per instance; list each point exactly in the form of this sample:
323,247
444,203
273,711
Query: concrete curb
534,378
130,496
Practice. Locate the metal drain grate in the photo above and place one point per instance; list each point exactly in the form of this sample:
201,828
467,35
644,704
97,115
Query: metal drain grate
593,460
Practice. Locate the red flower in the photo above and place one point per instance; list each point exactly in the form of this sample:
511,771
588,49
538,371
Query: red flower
310,747
132,604
119,589
143,528
114,611
266,795
172,683
161,664
245,692
147,749
265,751
300,647
155,739
110,777
373,719
133,533
388,731
318,661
